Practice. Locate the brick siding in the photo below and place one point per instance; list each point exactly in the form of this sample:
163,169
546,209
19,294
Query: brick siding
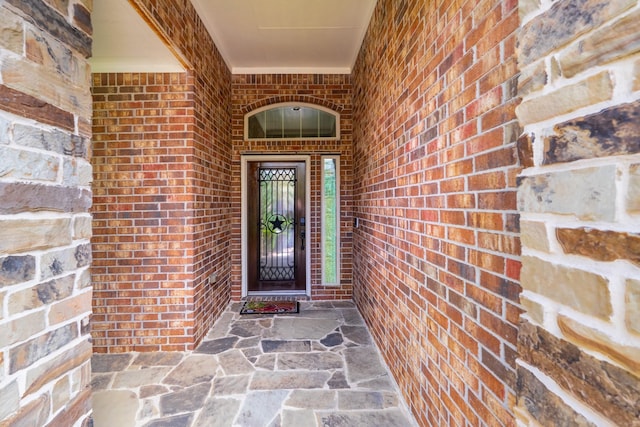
179,166
331,91
142,244
144,195
436,258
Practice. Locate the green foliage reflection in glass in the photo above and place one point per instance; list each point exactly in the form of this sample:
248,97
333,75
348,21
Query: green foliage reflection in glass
330,232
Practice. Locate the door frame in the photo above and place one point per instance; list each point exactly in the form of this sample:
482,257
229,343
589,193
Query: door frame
246,158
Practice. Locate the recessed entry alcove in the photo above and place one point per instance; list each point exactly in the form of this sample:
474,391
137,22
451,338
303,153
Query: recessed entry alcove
463,172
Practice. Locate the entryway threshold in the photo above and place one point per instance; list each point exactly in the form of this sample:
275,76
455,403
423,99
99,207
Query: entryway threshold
276,297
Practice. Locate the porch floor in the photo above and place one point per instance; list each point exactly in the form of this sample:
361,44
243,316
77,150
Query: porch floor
319,367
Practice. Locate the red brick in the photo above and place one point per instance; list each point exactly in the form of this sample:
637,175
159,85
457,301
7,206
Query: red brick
469,206
462,235
152,234
485,299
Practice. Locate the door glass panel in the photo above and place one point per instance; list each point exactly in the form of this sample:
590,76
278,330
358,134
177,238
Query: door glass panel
277,224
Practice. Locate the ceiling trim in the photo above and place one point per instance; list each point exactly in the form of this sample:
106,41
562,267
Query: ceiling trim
117,65
291,70
363,33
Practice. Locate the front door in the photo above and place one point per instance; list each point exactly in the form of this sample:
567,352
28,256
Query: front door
276,232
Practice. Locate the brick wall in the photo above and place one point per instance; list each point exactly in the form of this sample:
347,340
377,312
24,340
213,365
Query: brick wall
45,176
436,258
179,22
331,91
199,223
579,342
143,201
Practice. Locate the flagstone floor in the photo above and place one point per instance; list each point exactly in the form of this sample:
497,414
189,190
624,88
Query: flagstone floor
317,368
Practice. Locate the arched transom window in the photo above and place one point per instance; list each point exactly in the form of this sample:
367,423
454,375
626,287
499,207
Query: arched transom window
292,121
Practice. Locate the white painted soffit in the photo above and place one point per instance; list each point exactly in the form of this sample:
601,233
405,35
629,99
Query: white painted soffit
287,36
124,42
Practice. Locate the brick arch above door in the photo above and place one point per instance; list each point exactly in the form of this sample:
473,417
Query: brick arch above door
279,99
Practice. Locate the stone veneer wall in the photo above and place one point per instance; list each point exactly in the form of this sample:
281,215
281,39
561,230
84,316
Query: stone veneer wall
200,221
45,195
436,257
579,197
331,91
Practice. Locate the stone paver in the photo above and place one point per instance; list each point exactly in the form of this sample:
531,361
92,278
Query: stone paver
158,359
110,362
310,361
261,408
318,368
218,413
217,346
185,400
279,346
393,418
139,378
289,380
194,369
115,407
363,363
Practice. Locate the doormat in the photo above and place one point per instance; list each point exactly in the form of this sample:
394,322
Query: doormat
269,307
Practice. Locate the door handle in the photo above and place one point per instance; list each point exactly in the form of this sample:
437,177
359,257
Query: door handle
302,234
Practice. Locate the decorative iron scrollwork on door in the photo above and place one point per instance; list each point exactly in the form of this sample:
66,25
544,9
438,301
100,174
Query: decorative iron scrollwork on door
277,223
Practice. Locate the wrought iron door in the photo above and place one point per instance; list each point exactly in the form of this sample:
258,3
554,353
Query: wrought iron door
277,240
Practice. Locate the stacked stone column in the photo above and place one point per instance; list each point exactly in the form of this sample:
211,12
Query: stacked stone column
579,198
45,225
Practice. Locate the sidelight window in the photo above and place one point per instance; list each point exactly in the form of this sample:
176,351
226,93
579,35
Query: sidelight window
330,221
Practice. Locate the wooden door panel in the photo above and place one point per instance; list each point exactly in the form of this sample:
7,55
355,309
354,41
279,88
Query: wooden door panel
276,226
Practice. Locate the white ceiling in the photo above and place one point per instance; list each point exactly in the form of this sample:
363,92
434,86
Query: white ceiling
123,42
253,36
